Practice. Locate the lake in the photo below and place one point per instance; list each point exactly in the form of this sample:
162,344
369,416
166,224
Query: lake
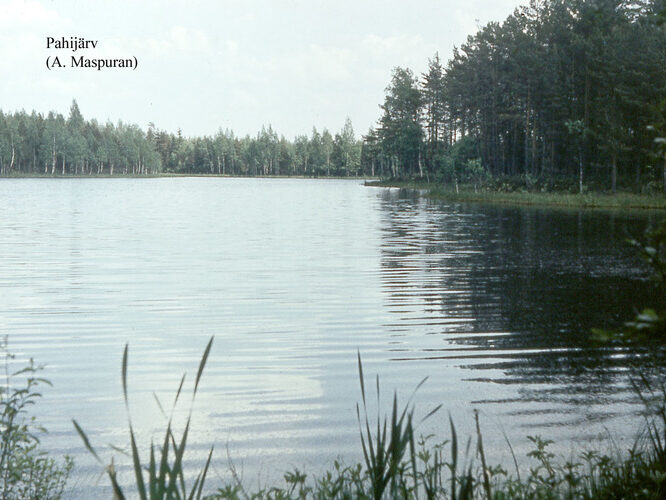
295,277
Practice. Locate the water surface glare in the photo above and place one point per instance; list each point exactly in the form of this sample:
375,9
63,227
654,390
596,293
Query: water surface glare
293,277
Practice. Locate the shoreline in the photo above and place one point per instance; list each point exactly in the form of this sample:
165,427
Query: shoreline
170,174
592,200
432,191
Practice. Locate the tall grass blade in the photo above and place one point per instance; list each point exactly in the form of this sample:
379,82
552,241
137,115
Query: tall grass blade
412,452
360,376
124,375
136,461
152,470
177,471
138,473
164,466
418,386
164,480
119,450
117,490
159,405
467,485
180,388
172,485
484,467
513,455
202,476
85,440
454,458
360,430
202,364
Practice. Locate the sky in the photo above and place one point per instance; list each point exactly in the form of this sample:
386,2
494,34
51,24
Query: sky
229,64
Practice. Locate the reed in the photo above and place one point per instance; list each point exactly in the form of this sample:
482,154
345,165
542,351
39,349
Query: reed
162,477
397,465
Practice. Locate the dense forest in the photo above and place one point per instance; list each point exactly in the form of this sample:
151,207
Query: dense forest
564,94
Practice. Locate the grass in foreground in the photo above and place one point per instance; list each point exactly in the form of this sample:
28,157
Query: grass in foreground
398,465
566,200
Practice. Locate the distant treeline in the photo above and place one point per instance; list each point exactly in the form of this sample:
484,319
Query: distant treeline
34,144
563,94
561,90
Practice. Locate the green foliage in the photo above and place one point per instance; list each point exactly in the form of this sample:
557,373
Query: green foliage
528,183
385,455
560,88
26,472
452,165
162,477
658,126
475,173
649,325
55,145
400,130
426,472
653,251
396,465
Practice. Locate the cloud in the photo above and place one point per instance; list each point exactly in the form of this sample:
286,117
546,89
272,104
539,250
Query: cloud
188,40
398,50
178,40
231,47
23,28
312,63
246,62
320,65
66,87
24,25
19,14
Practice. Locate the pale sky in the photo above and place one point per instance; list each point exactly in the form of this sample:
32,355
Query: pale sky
238,64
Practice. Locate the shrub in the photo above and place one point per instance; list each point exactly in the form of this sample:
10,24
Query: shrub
26,472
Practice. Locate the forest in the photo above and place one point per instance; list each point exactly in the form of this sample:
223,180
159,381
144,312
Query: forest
569,93
562,95
53,145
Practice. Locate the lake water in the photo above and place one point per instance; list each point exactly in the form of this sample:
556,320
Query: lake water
293,278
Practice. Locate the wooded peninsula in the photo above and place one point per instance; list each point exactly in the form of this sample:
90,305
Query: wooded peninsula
563,95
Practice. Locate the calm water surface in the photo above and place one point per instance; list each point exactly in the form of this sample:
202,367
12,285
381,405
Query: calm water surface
293,277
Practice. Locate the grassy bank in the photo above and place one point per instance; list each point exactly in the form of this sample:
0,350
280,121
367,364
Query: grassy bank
567,200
